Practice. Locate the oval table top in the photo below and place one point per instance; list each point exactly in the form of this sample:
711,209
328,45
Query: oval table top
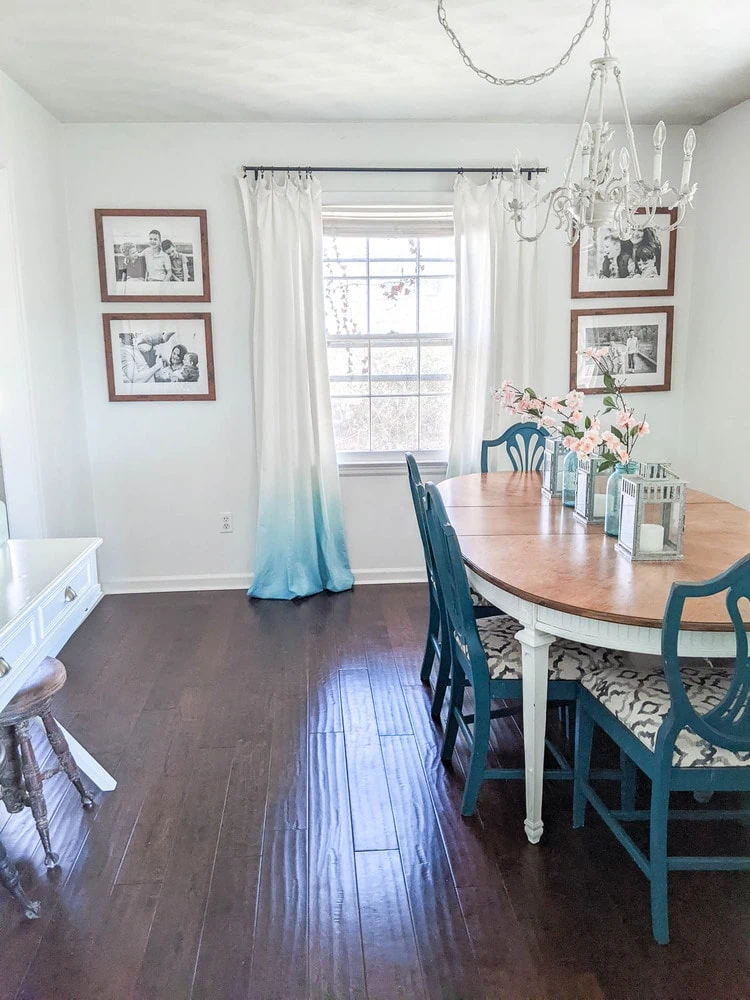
535,548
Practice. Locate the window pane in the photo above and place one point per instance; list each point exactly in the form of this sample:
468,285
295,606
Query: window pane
436,305
347,359
393,268
349,386
393,307
434,422
436,359
346,307
437,385
437,267
347,268
394,424
393,246
344,247
442,247
394,359
351,424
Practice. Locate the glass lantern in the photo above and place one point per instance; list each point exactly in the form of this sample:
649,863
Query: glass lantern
591,489
652,514
552,467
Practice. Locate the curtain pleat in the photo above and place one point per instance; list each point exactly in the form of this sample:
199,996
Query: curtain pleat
300,548
496,316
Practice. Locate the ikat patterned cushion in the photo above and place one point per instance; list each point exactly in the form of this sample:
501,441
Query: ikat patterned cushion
639,697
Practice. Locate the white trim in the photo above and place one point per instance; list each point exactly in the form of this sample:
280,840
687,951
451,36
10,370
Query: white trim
241,581
392,468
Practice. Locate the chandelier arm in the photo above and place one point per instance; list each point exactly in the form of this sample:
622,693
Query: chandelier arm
628,125
533,78
599,127
577,146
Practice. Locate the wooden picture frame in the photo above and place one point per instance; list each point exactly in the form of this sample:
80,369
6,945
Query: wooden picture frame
173,387
654,356
584,285
123,278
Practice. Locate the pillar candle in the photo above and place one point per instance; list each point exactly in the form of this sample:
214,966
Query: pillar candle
651,538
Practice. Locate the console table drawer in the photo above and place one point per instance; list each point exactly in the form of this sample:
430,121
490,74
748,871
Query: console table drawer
69,593
15,648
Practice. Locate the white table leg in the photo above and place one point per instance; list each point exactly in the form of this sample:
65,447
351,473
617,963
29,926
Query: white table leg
535,655
88,764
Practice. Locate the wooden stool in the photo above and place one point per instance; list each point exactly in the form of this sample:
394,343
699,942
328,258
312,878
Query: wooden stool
20,777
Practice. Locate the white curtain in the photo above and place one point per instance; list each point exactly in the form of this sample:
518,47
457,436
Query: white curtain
496,305
300,546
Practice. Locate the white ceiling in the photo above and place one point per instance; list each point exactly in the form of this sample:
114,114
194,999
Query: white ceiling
336,60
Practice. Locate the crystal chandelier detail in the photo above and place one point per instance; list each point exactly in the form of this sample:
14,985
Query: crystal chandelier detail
615,196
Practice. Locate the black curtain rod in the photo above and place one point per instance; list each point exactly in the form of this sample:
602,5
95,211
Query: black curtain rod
395,170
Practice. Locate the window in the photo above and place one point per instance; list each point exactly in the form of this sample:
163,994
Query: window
390,317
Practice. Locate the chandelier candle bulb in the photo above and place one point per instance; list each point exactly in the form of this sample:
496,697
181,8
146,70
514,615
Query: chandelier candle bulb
660,136
688,148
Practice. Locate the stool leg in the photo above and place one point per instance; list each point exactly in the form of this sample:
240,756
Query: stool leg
62,751
33,780
11,782
10,878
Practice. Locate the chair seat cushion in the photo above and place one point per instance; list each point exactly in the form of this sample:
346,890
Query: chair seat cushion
638,697
568,661
48,678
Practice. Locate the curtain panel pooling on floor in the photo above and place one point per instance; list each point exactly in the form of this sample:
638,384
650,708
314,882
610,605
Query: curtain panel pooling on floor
300,547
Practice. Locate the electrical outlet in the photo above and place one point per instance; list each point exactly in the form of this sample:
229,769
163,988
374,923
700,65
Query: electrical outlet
226,522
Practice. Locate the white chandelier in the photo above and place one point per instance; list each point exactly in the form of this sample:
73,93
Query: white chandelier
621,201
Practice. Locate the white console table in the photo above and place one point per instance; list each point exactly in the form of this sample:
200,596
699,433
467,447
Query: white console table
48,586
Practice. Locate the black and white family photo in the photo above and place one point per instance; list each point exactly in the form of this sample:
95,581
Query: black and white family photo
153,255
638,343
159,357
606,264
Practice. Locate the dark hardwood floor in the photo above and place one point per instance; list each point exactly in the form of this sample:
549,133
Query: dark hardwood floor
283,829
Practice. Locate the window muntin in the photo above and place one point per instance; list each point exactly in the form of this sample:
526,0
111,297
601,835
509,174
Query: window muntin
390,318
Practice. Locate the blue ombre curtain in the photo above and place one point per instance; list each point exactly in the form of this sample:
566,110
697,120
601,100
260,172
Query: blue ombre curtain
300,546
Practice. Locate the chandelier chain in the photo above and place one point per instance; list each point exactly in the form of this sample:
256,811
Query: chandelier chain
527,81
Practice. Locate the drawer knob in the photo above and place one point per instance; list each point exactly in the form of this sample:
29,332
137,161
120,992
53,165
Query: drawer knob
5,667
70,595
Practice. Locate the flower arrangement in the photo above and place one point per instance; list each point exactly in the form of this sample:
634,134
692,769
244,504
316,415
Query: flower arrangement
563,416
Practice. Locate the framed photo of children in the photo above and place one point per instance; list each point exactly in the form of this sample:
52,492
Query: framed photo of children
153,255
605,266
638,342
154,356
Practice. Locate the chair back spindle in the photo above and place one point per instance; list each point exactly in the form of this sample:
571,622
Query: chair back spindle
524,444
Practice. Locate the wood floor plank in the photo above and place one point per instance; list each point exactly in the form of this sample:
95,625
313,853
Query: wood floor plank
226,946
448,964
336,967
169,962
279,966
391,956
372,817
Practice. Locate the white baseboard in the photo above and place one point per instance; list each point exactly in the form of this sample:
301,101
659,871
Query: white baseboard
169,584
241,581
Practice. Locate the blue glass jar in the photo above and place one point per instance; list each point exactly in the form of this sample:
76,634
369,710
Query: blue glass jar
570,467
614,491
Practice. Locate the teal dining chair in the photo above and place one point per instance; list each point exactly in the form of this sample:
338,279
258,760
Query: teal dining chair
524,444
436,651
486,656
685,725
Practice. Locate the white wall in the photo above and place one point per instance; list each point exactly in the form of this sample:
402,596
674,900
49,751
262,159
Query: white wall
715,449
42,430
162,472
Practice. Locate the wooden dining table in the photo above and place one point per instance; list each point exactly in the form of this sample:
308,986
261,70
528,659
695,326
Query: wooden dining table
535,560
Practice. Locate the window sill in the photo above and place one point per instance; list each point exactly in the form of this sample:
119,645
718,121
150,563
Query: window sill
430,466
